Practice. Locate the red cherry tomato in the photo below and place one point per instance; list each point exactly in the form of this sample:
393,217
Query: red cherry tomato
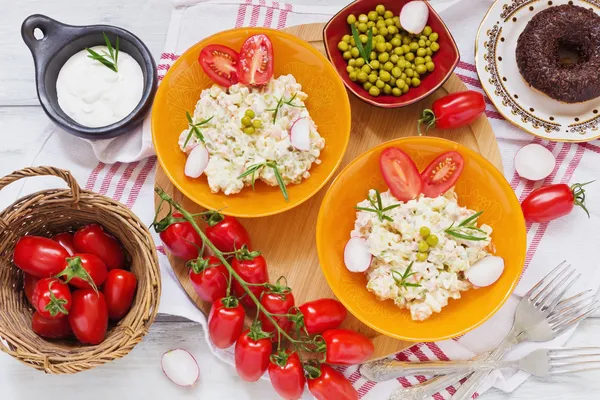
400,173
551,202
252,352
39,256
226,233
79,269
288,379
256,60
89,316
29,282
276,303
330,385
119,290
323,314
65,239
442,173
225,324
92,239
346,347
252,269
181,239
220,64
52,298
51,328
454,110
209,278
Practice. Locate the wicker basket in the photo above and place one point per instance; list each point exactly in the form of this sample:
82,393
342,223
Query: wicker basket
51,211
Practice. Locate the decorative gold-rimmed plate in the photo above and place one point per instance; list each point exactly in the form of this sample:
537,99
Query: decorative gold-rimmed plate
520,104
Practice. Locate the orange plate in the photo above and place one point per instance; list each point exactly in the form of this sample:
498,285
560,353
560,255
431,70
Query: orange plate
327,103
481,187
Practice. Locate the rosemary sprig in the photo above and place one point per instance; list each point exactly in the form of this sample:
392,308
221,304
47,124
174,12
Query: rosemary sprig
401,278
253,169
195,128
378,207
466,229
109,59
280,103
365,51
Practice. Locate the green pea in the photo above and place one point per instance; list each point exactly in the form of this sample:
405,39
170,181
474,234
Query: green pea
423,246
421,43
380,47
396,92
380,9
396,72
414,46
353,76
421,52
392,82
388,14
427,31
421,69
432,240
388,66
434,46
375,31
363,18
424,231
380,84
375,64
359,62
405,89
387,89
249,113
389,22
370,24
362,27
392,30
362,76
374,91
372,15
434,37
394,59
403,76
257,123
400,84
383,57
349,69
388,46
398,51
347,55
427,59
367,86
354,52
379,38
366,69
430,66
383,31
351,19
352,62
409,72
343,46
249,130
419,61
409,57
352,42
422,257
416,82
246,121
373,77
429,52
373,56
384,76
363,38
401,64
396,42
428,43
380,24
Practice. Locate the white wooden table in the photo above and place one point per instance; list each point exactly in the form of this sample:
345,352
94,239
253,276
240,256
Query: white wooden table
138,376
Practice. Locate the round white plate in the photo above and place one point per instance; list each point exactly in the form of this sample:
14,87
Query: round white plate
525,107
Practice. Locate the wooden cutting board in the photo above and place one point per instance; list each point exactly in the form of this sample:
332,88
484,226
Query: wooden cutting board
287,240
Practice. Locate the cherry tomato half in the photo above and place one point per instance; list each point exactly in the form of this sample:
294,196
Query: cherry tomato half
323,314
51,328
39,256
209,279
220,63
288,380
400,173
442,173
225,324
252,356
226,233
52,298
65,239
80,268
252,270
276,303
346,347
181,239
554,201
331,384
93,239
256,60
89,316
119,290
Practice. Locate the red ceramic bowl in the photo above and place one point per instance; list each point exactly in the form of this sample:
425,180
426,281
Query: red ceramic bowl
445,59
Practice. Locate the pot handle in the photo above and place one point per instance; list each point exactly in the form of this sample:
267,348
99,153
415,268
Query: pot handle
54,36
41,171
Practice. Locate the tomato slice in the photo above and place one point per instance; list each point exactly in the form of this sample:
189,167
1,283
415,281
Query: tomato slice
256,60
400,173
220,63
442,173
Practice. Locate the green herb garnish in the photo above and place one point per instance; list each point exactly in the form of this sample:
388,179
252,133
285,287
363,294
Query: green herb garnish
378,207
195,128
401,278
109,59
253,169
280,103
365,51
466,229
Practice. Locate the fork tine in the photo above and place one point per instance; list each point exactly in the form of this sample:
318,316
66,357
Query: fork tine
544,280
572,313
550,285
572,353
551,299
564,326
569,302
574,308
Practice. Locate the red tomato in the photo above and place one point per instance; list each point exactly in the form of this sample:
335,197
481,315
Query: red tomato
220,64
39,256
331,384
226,233
29,282
81,267
52,298
323,314
92,239
225,324
50,328
65,239
276,303
181,239
346,347
551,202
454,110
89,316
119,290
442,173
288,380
252,352
256,60
252,269
209,278
400,173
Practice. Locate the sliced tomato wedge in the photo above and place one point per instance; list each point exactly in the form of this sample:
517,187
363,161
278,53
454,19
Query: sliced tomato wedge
256,60
442,173
220,63
400,173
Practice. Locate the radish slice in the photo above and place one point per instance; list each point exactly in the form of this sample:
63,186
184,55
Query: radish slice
414,16
486,271
534,162
180,367
197,161
356,255
300,134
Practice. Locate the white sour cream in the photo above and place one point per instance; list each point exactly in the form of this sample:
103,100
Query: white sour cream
93,94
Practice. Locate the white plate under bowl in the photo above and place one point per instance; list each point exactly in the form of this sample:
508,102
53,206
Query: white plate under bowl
525,107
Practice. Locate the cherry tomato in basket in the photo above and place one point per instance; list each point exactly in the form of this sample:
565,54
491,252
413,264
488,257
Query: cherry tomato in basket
331,384
346,347
89,316
400,173
323,314
453,111
52,298
93,239
252,352
220,63
181,239
119,290
252,268
81,268
256,60
51,328
209,278
287,375
65,239
226,233
277,302
39,256
442,173
554,201
29,282
225,322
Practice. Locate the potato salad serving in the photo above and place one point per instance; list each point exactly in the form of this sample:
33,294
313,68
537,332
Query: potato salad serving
415,243
249,125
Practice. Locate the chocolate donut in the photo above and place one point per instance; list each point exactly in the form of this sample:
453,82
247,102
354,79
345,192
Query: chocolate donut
551,32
